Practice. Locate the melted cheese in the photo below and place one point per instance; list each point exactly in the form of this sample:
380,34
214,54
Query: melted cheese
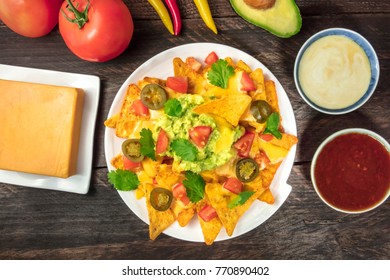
274,153
40,127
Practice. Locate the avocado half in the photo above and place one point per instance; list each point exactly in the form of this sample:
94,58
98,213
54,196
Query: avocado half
283,19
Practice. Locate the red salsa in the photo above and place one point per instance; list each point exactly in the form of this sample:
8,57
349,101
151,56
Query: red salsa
352,172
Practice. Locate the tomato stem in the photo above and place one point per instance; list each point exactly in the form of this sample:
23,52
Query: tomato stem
80,18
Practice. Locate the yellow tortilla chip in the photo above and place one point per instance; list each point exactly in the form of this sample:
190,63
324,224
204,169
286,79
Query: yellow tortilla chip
220,198
267,197
211,228
268,173
230,107
158,220
243,66
111,122
258,78
183,213
126,119
272,97
117,162
195,80
287,141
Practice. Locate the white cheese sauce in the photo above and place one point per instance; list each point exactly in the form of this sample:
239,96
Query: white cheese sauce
334,72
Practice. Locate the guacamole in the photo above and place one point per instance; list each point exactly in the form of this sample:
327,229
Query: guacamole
218,149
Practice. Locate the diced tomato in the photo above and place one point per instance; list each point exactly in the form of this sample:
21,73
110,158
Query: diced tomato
262,159
178,84
207,213
130,165
193,63
162,142
180,193
200,135
139,108
211,58
247,83
266,137
233,184
244,144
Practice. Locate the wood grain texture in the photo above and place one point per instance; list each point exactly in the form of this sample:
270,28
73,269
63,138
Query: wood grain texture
41,224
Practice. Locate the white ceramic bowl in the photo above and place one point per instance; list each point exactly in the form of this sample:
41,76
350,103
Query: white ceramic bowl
374,135
372,57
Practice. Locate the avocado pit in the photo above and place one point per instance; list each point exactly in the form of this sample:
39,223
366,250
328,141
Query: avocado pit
260,4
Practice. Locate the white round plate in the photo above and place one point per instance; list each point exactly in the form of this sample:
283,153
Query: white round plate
161,66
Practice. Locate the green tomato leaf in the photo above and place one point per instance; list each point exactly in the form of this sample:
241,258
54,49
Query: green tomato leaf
272,126
194,185
184,149
173,108
240,199
147,144
123,180
220,73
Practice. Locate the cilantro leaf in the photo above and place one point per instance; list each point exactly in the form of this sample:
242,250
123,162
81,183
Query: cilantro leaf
147,143
240,199
184,149
220,73
194,185
272,125
123,180
173,108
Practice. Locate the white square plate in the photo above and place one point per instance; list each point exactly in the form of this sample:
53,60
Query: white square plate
80,182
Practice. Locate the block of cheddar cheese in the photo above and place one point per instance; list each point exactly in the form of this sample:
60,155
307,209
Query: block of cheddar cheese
39,128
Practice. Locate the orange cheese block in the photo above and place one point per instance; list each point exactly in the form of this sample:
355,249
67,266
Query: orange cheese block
39,128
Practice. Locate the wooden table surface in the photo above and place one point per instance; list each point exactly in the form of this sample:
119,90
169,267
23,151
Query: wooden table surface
42,224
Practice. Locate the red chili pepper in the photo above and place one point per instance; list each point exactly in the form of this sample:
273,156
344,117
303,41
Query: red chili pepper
175,13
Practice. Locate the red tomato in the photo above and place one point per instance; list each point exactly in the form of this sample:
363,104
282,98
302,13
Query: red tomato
130,165
30,18
180,193
247,83
233,184
200,135
139,108
106,33
244,144
211,58
207,213
178,84
162,142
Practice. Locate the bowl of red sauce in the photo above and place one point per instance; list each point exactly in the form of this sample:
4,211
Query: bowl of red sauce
350,170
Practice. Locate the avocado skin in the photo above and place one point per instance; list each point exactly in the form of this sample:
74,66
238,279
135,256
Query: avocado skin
259,17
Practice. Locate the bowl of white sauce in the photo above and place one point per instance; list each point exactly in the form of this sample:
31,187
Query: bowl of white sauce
336,71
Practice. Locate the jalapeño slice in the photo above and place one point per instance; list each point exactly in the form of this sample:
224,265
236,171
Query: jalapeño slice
153,96
161,199
261,110
131,149
247,170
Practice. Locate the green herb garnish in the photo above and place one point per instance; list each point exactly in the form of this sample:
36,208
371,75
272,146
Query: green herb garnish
173,108
147,144
272,126
240,199
184,149
123,180
220,73
194,185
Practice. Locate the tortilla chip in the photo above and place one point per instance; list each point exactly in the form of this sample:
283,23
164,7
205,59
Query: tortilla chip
149,80
211,228
158,220
268,173
272,97
258,78
111,122
267,197
287,141
220,198
243,66
195,80
126,119
117,162
183,213
230,107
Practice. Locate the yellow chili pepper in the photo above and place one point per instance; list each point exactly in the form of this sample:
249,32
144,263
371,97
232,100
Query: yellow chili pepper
205,13
162,12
